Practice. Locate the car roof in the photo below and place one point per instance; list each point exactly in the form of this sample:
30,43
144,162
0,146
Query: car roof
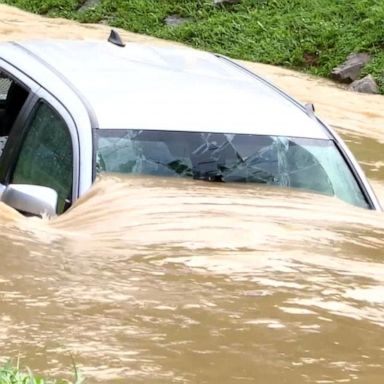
163,87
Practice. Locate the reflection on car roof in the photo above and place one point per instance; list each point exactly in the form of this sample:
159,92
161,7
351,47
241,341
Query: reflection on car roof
171,88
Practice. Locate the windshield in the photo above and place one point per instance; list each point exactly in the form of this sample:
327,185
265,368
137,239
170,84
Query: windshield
309,164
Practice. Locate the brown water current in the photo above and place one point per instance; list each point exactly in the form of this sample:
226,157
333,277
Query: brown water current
161,280
151,280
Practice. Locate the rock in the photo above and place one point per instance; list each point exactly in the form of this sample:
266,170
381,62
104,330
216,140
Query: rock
365,85
350,70
175,20
88,4
224,2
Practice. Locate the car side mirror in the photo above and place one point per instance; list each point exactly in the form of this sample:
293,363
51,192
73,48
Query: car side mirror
30,199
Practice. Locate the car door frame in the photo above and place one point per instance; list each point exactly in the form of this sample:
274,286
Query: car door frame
8,153
21,128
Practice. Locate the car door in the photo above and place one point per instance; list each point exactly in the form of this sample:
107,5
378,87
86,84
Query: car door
43,151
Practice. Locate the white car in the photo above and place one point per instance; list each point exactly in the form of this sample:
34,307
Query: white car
72,109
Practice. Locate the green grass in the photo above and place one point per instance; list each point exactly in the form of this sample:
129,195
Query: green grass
13,374
312,36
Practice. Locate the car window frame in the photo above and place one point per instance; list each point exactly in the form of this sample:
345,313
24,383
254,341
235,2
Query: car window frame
20,131
353,166
32,87
23,81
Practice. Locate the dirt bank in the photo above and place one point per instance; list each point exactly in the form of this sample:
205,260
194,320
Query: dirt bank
349,112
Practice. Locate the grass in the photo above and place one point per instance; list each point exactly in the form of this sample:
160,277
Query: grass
13,374
312,36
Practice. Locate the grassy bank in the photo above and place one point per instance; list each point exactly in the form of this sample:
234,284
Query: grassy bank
311,36
14,374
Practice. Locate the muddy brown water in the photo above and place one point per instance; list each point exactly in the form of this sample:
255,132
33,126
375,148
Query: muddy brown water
149,280
173,281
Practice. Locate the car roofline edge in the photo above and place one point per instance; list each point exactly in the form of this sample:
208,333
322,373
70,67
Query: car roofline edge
91,112
263,80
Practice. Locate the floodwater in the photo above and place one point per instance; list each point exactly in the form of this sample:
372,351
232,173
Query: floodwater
153,280
149,280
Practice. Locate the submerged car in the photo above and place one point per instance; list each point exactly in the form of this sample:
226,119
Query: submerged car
70,110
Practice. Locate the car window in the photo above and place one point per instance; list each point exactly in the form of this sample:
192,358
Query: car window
12,98
309,164
5,83
46,155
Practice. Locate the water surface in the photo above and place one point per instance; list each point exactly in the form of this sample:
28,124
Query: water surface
174,281
181,281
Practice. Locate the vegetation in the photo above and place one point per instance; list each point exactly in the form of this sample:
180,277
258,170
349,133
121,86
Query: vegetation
13,374
312,36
